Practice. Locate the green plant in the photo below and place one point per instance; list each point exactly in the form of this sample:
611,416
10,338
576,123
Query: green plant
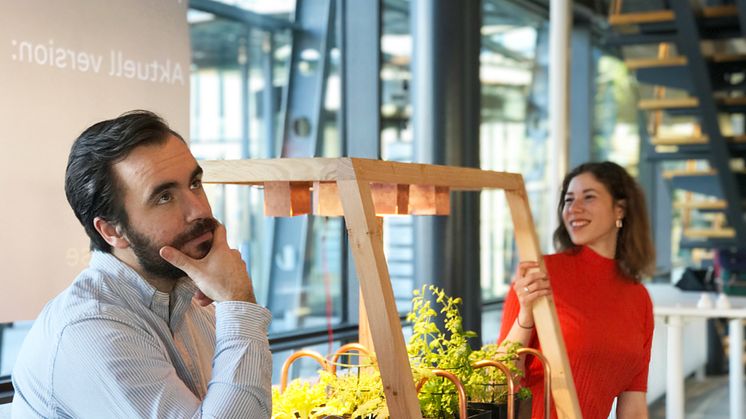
489,385
299,400
430,347
448,349
359,395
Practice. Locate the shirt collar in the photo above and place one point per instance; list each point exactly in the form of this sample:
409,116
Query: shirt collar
128,281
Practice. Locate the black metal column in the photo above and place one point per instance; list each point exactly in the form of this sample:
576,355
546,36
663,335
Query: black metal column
446,115
360,122
301,133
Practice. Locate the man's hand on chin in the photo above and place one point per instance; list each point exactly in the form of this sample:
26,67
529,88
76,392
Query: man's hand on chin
220,276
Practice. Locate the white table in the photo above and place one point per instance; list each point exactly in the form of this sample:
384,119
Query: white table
678,306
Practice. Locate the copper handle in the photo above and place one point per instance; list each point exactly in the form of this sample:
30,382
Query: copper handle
303,353
547,377
459,388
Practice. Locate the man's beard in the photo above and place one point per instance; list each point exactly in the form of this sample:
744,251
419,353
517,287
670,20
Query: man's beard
148,252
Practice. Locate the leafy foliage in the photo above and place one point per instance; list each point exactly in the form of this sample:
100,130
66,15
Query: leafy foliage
299,400
430,347
359,393
489,385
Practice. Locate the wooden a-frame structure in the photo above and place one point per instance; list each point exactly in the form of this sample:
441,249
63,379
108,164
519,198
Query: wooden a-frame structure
357,189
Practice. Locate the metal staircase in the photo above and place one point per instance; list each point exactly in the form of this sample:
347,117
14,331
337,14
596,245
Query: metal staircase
697,75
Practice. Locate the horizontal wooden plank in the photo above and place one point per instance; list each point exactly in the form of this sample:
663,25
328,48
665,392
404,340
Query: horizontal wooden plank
668,174
727,58
641,17
258,171
702,205
457,178
659,16
668,103
679,140
727,10
709,233
637,63
689,140
732,100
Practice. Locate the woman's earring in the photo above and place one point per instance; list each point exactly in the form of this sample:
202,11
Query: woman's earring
618,223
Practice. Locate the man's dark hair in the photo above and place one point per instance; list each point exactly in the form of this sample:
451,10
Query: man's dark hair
91,187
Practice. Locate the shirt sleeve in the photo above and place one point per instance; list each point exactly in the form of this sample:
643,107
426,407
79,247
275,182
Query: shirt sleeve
114,368
640,381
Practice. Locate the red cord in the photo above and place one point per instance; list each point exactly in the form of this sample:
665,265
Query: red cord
327,288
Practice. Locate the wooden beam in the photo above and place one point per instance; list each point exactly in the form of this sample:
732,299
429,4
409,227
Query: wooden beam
675,103
365,337
669,174
638,63
258,171
727,58
732,100
545,313
641,18
286,199
709,233
701,205
659,16
378,296
726,10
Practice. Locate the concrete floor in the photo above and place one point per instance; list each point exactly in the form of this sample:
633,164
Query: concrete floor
705,399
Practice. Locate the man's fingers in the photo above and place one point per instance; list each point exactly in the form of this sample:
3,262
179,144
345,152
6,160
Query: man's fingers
202,299
176,258
219,237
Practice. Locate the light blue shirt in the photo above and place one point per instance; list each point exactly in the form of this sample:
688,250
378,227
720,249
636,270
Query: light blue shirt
113,346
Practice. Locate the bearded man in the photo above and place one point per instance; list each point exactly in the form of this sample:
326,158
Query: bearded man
137,335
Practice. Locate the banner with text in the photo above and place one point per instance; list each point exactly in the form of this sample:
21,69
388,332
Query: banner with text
65,65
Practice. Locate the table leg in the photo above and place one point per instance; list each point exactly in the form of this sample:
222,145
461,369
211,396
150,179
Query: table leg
675,369
735,334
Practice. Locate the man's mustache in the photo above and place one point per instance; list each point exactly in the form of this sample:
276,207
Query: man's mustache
199,228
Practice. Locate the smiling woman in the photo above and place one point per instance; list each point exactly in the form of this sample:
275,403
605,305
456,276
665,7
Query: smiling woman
604,249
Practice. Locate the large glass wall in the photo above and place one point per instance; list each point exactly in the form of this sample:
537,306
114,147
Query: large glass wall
513,130
240,78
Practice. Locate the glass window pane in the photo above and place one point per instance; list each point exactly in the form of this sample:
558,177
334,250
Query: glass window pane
513,132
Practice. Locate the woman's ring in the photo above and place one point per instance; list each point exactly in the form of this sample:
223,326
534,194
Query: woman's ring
526,289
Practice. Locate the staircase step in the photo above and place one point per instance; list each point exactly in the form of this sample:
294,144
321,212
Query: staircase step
709,233
656,16
661,16
680,61
725,10
704,182
718,204
688,105
674,72
638,63
710,243
697,139
668,103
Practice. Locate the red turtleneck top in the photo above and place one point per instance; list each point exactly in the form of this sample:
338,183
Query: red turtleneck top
607,324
